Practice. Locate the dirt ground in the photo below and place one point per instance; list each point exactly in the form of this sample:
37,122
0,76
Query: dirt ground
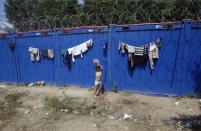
148,113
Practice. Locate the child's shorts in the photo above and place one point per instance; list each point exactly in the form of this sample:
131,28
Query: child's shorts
97,83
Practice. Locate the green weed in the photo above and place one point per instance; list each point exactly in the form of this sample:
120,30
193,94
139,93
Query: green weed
13,99
190,95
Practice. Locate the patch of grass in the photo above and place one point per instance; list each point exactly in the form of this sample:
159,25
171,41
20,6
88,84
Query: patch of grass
190,95
21,85
91,89
55,105
58,107
115,87
13,99
93,105
83,109
8,107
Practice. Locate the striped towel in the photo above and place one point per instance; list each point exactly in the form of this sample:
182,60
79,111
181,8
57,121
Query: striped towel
142,50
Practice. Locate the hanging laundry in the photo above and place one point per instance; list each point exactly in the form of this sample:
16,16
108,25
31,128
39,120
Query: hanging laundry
136,54
105,45
63,52
154,51
48,53
78,50
131,49
139,51
34,54
44,53
122,46
130,60
66,56
12,46
140,55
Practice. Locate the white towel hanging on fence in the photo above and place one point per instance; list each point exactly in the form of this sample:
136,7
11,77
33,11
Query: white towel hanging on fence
79,49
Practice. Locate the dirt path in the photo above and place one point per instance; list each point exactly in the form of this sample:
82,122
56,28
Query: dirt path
148,113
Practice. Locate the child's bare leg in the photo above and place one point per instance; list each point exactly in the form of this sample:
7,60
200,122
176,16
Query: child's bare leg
101,90
96,87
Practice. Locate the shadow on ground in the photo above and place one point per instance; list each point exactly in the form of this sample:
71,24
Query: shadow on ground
190,122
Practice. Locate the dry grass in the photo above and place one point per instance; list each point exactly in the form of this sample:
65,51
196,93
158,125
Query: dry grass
8,107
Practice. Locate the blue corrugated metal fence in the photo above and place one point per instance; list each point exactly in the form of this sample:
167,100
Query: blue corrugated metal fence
177,71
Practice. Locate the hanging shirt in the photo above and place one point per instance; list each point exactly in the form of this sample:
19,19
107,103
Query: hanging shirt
48,53
154,51
79,49
131,49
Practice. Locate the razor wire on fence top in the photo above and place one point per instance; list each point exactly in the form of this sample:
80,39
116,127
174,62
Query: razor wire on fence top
27,15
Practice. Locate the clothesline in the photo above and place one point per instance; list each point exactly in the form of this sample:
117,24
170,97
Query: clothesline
74,51
77,50
139,54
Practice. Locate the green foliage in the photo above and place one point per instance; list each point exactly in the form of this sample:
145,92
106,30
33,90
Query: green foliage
8,107
58,107
53,103
55,106
45,14
19,13
13,99
115,87
190,95
91,89
84,109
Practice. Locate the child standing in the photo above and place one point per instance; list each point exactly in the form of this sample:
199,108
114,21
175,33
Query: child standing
98,69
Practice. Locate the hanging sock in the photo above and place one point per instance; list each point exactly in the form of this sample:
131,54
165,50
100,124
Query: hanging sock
50,53
122,46
12,46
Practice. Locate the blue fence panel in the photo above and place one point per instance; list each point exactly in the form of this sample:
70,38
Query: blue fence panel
82,71
30,71
7,62
177,71
141,79
187,78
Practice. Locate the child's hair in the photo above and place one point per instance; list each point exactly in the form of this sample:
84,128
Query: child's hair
96,61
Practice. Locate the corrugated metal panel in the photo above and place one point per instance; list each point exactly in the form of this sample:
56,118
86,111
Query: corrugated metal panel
177,71
82,71
34,71
7,62
141,78
187,74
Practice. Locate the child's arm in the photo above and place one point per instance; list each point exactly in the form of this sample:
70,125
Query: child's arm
101,68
